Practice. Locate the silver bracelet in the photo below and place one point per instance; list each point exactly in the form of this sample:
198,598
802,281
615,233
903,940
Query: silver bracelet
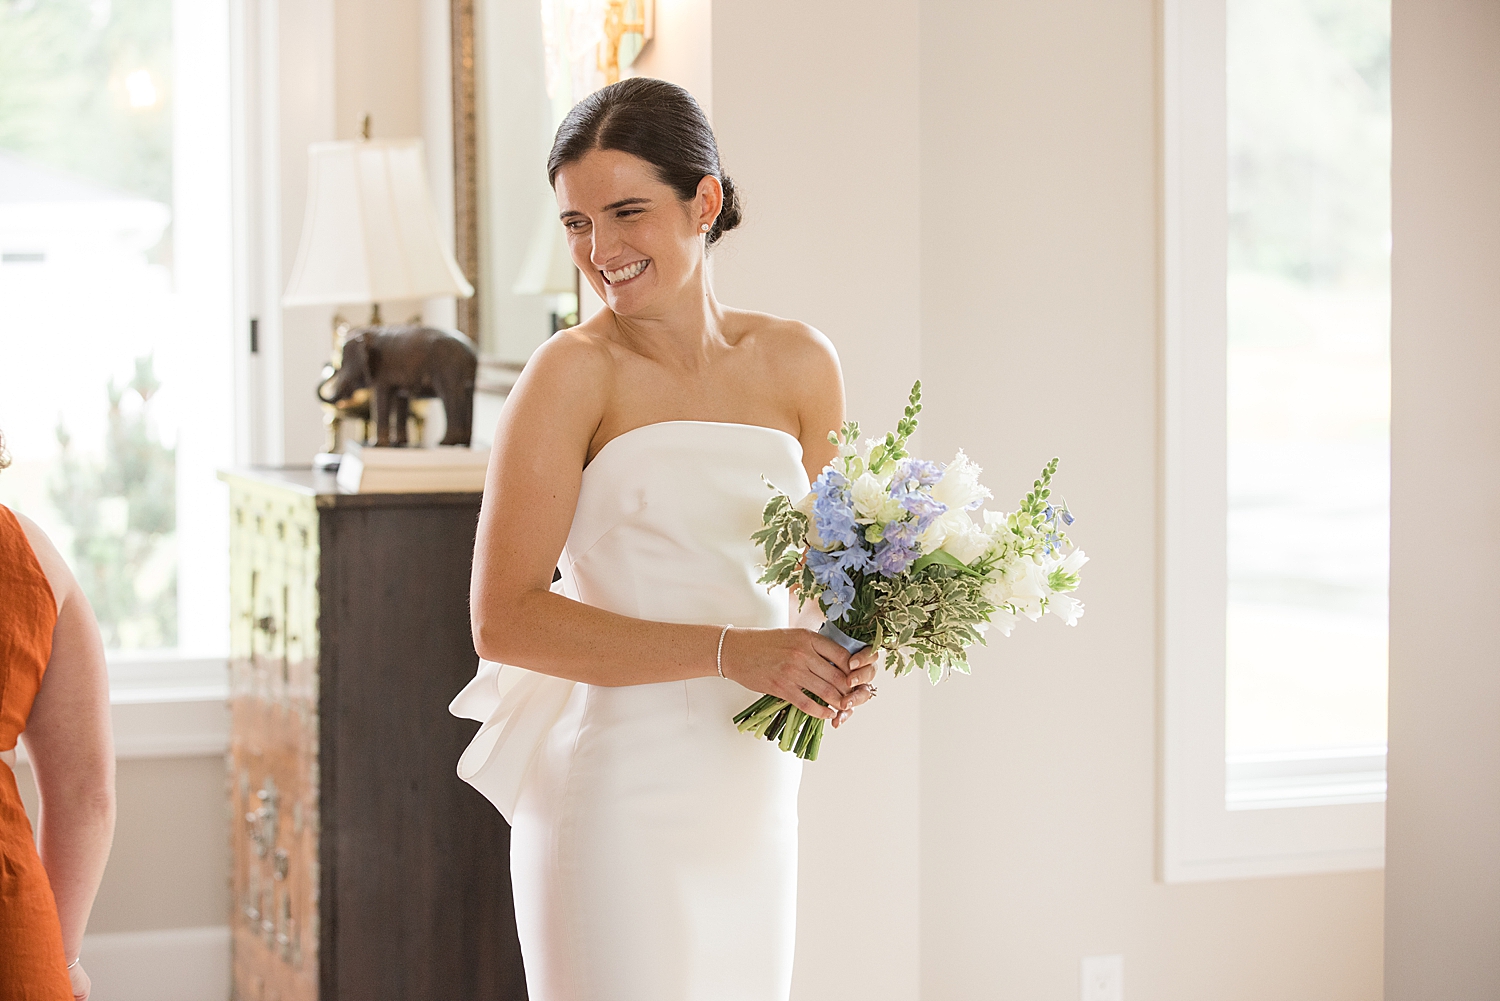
719,657
76,961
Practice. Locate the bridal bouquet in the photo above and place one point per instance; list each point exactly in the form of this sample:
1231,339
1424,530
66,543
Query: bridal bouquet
889,547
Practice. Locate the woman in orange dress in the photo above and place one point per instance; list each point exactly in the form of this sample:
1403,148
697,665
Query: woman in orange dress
53,692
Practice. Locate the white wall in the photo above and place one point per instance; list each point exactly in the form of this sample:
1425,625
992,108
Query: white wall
1443,815
821,139
299,108
682,50
169,868
1040,245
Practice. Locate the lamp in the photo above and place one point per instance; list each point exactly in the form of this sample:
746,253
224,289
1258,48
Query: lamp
369,233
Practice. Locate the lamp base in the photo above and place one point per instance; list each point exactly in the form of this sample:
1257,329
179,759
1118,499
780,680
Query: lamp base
327,461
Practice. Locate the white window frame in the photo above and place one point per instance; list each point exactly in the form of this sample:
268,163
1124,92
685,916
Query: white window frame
1290,813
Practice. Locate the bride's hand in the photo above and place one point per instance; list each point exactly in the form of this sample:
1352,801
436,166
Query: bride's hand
862,667
783,662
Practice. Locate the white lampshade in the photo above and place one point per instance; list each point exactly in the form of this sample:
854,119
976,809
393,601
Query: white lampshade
370,232
548,268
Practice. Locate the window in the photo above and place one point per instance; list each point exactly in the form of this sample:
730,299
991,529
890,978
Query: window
1309,384
1276,402
115,280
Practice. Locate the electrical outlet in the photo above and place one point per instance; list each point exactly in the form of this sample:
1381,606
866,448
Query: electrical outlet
1103,978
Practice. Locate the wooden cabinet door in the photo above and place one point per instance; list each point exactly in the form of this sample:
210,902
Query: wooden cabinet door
273,758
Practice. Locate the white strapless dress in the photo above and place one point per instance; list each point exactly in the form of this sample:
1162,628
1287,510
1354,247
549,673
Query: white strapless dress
653,846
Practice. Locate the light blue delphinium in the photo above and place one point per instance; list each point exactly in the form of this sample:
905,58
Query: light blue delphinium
838,593
909,486
898,548
833,510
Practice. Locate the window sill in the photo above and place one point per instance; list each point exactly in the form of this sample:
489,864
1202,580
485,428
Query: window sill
1305,778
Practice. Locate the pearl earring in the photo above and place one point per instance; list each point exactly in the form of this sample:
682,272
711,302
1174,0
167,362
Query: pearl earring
704,227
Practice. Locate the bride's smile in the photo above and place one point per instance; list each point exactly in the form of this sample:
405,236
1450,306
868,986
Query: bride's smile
629,272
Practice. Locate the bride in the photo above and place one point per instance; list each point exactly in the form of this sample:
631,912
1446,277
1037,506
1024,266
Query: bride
653,846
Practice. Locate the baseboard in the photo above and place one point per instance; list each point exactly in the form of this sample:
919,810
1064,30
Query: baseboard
172,964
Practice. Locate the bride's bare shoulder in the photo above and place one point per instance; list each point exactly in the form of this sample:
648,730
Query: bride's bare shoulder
573,357
564,383
786,345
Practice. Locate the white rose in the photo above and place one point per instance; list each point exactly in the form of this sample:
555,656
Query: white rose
932,540
968,543
873,500
1075,560
1004,620
1022,584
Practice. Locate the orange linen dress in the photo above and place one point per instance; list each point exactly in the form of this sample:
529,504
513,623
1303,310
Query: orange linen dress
32,964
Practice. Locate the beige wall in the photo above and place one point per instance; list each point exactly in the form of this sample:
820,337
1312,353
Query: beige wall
378,67
1040,207
1443,816
170,864
821,140
682,50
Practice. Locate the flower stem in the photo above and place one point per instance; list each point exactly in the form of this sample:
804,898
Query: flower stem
790,728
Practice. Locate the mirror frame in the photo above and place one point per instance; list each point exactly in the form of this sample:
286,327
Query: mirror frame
465,164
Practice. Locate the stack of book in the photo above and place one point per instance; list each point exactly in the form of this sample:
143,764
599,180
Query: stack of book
446,468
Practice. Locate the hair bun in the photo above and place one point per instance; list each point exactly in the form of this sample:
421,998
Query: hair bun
731,213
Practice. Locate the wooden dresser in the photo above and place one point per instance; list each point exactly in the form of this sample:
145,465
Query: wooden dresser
364,869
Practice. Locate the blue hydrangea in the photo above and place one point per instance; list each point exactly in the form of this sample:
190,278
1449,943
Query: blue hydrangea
898,548
831,570
830,573
833,509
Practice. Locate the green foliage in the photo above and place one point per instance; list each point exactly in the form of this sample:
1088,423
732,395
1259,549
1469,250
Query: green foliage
784,540
123,512
893,448
63,101
1037,511
925,619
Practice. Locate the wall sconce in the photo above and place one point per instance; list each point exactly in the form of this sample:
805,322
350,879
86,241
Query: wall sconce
628,26
588,43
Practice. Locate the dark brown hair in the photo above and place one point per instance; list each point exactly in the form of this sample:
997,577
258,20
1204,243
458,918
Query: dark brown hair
658,122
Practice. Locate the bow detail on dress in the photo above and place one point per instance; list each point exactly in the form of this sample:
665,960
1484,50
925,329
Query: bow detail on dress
518,708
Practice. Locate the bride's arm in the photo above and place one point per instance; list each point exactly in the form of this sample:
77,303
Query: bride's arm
531,492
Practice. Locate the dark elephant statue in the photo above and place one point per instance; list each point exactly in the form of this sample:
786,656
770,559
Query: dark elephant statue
401,364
